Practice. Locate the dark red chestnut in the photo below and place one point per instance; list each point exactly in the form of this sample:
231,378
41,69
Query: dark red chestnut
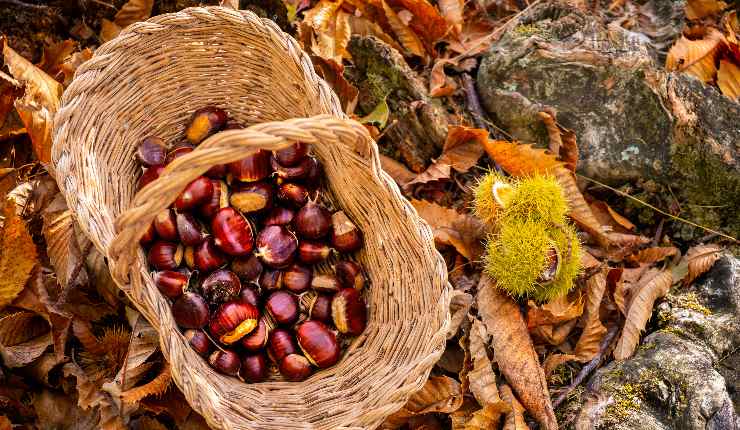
233,320
283,307
254,368
255,167
190,310
294,194
279,216
320,308
281,344
345,236
349,312
313,176
311,252
271,280
257,339
178,152
293,173
188,256
165,255
252,197
195,194
171,283
207,256
151,151
349,274
232,232
276,246
189,229
233,125
205,122
291,155
248,269
165,224
250,295
226,362
149,175
219,199
318,343
325,283
198,341
217,172
220,286
297,278
295,367
312,221
149,235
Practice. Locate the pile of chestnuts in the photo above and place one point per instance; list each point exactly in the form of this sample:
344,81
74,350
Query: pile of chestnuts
243,255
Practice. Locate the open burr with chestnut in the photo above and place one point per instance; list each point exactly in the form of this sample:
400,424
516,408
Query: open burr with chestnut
255,262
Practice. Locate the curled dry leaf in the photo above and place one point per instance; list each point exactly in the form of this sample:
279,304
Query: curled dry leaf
608,216
452,11
439,394
700,259
481,376
728,79
62,247
555,360
399,172
450,227
440,84
364,27
514,351
556,311
569,153
696,57
553,133
131,12
488,417
697,9
459,306
405,35
553,334
17,255
640,309
333,73
426,21
579,211
143,342
69,67
654,254
515,418
24,336
594,331
155,387
589,262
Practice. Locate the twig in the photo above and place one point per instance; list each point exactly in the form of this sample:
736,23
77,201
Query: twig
658,233
604,346
471,95
19,3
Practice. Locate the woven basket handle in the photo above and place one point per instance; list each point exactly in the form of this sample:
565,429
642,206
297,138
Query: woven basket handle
222,148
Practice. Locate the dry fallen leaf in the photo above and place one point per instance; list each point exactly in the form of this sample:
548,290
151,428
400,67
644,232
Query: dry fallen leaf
333,73
728,79
62,247
440,84
69,67
696,57
697,9
555,360
594,331
515,418
553,132
399,172
426,21
405,35
452,11
461,151
24,336
450,227
654,254
488,417
439,394
460,304
700,259
556,311
481,376
17,256
608,216
155,387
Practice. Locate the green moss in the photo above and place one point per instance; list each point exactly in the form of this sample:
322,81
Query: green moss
646,346
673,330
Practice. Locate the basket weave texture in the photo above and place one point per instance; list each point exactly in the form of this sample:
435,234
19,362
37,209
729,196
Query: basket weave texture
148,81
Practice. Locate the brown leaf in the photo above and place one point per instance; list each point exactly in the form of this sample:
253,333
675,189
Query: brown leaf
593,330
83,332
333,73
450,227
728,79
108,30
579,211
489,417
481,376
399,172
426,20
553,132
696,57
5,423
62,247
520,159
408,38
452,11
701,258
461,151
56,410
88,392
133,11
589,262
697,9
514,351
555,360
54,56
23,338
639,313
440,85
555,311
364,27
569,153
460,304
155,387
608,216
17,256
439,394
515,418
69,67
654,254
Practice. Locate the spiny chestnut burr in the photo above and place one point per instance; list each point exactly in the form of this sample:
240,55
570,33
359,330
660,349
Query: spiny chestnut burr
252,197
165,255
276,246
271,279
295,367
297,278
349,312
252,168
257,339
291,155
151,151
312,252
293,194
198,341
250,295
165,224
254,367
171,283
178,152
325,283
195,194
320,308
226,362
248,269
232,232
318,343
312,221
190,310
345,236
349,274
219,199
205,122
283,307
207,256
281,344
279,216
149,175
293,173
149,235
189,229
233,320
220,286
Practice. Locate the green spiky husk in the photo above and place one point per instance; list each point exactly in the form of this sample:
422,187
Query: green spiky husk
484,205
538,197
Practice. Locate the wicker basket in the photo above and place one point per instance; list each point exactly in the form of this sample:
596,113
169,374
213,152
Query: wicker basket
148,81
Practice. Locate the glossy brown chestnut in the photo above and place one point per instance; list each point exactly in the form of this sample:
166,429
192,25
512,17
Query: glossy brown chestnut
190,310
252,197
552,265
171,283
254,368
297,278
320,308
205,122
149,175
291,155
149,235
345,236
195,194
220,286
318,343
295,367
349,312
226,362
349,274
252,168
281,344
233,320
165,224
271,280
257,339
312,221
217,172
293,173
165,255
276,246
313,252
250,295
248,269
219,199
189,229
198,341
279,216
207,256
325,283
188,256
313,176
283,307
232,232
178,152
151,151
293,194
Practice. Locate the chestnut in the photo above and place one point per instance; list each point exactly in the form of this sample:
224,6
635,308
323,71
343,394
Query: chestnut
250,295
217,172
312,252
349,274
295,367
190,310
271,280
149,176
252,168
149,235
291,155
188,255
257,339
198,341
279,216
292,193
171,283
232,232
151,151
312,221
204,122
225,361
313,175
292,173
281,344
297,278
318,343
198,192
219,199
552,265
325,283
220,286
345,236
165,255
349,312
247,268
165,224
252,197
178,152
254,368
189,229
282,306
320,308
207,256
276,246
233,320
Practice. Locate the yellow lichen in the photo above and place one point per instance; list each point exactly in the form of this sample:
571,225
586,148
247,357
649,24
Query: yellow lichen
691,301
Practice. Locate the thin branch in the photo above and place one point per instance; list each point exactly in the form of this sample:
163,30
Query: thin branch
26,5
